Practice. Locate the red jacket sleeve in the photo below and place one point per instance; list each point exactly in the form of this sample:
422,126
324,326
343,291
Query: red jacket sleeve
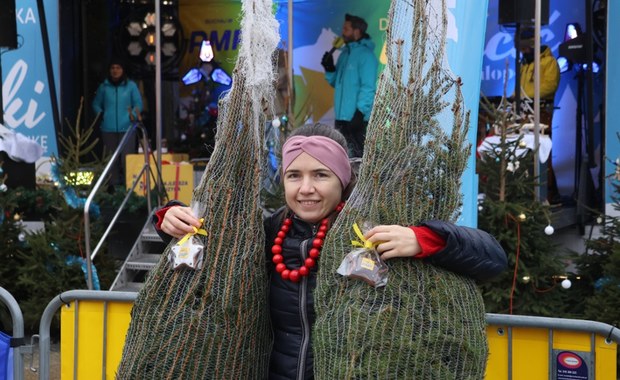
429,241
159,214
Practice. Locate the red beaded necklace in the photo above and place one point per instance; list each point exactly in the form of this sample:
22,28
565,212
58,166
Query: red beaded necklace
295,275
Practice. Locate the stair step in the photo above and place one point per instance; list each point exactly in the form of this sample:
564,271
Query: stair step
145,261
150,235
130,287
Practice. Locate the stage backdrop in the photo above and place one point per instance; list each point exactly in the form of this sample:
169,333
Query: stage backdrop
315,25
25,88
499,50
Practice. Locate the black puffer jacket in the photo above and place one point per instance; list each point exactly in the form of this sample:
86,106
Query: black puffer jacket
292,304
468,251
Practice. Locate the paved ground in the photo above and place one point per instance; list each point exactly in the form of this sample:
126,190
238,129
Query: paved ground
54,373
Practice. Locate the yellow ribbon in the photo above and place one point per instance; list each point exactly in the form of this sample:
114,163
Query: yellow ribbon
199,231
362,242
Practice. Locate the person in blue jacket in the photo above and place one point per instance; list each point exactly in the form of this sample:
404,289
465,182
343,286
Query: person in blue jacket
354,78
117,102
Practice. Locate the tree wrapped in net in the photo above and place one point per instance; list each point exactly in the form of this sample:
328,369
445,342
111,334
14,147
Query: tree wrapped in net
426,323
213,323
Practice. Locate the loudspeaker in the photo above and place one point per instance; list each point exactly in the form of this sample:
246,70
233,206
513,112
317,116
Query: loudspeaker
8,24
522,11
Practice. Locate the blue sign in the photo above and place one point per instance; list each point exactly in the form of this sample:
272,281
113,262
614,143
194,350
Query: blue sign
26,94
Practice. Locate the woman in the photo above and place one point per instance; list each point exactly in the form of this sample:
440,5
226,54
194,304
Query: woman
317,178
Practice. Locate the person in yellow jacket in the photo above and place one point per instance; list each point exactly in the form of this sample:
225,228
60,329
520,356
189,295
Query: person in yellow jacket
549,70
549,81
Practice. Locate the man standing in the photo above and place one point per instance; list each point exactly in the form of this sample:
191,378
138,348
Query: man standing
354,80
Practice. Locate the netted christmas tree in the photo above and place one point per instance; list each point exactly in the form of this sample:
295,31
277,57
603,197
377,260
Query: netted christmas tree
426,323
213,323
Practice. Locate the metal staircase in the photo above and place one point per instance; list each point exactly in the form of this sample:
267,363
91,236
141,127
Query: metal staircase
144,255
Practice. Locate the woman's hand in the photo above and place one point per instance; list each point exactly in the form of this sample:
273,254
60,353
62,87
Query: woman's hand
394,241
178,221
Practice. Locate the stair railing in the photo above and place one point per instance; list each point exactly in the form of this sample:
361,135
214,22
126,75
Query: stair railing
146,169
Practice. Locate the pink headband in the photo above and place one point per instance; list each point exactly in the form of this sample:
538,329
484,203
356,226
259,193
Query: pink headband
321,148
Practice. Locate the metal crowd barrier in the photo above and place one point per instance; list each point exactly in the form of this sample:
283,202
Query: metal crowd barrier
17,341
96,349
94,324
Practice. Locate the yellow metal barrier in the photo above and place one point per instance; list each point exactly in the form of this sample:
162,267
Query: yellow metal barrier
521,347
90,347
537,348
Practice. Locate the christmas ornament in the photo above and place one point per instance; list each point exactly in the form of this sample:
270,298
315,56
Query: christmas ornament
276,123
566,284
549,230
21,237
188,252
599,220
3,188
480,208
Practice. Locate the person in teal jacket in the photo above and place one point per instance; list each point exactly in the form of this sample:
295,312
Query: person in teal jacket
117,102
354,78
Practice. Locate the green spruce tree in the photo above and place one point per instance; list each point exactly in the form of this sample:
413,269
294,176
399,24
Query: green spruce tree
599,270
38,265
509,211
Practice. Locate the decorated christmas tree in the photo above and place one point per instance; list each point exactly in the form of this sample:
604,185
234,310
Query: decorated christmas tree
508,210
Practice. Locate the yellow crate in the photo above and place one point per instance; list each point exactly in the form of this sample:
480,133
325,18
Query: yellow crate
177,175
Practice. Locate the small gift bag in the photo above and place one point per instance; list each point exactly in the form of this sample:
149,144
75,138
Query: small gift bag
363,261
188,251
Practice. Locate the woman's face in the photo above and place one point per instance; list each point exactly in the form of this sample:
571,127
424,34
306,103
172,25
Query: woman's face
311,189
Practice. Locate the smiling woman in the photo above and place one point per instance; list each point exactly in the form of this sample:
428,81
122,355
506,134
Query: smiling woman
317,180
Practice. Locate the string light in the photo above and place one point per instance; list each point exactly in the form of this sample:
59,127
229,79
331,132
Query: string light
526,279
522,217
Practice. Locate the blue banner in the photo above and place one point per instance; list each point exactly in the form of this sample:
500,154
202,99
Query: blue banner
465,44
612,141
26,94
